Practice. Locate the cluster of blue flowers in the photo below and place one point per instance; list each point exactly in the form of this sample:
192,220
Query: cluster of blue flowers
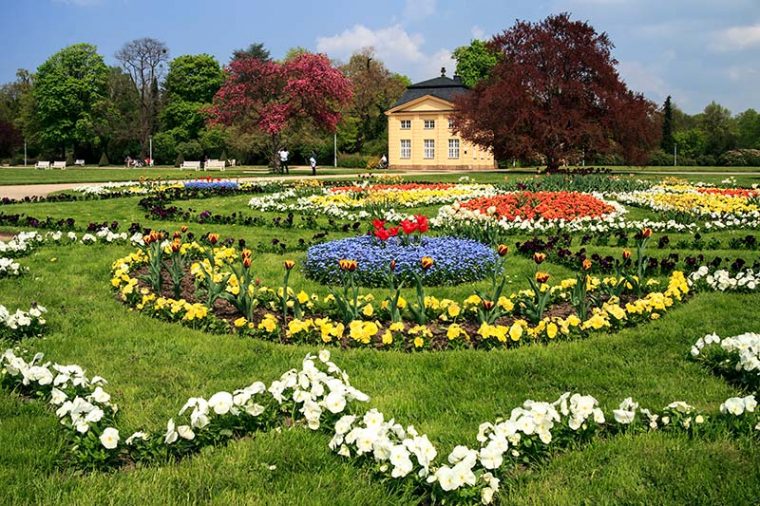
456,260
211,185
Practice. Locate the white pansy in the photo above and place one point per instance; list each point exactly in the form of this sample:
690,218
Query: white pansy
109,438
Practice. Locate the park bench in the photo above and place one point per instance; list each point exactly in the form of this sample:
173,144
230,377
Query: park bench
233,162
190,165
214,164
59,165
42,165
79,163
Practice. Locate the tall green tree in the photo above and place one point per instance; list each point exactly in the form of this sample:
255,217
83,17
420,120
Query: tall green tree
475,62
118,120
190,86
667,126
68,88
748,129
718,125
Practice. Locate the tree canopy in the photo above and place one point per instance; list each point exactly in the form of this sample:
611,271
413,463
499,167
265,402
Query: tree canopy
67,89
555,93
272,98
475,62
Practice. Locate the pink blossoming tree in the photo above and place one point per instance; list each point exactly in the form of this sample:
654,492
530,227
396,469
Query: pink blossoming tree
275,99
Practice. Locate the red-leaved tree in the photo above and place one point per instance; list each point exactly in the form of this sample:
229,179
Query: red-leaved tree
276,98
555,92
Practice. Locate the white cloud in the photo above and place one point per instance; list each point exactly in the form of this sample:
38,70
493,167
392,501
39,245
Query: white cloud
737,38
400,50
419,9
644,79
391,44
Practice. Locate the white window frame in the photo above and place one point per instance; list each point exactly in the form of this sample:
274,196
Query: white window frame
406,151
406,124
454,149
429,124
429,149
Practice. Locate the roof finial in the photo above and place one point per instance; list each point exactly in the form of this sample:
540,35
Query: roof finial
443,71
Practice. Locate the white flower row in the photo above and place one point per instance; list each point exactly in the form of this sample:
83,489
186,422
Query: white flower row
25,242
280,201
8,267
22,323
319,394
745,348
723,281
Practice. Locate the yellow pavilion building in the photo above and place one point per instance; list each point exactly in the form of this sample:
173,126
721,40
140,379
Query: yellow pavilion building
419,130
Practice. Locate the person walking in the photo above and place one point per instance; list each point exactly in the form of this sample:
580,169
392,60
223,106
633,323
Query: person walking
313,163
284,160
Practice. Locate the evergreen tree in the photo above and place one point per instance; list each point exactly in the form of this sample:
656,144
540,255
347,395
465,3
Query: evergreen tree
667,126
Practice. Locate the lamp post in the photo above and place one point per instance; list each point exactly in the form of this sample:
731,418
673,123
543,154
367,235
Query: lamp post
24,153
675,155
150,151
335,149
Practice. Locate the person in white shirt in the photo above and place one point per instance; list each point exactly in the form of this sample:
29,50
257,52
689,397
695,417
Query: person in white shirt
284,160
313,163
384,162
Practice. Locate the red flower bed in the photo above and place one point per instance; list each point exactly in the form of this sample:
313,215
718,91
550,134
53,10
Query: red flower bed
547,205
398,187
731,192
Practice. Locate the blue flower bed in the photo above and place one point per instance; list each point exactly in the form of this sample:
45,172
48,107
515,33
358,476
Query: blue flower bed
211,185
456,260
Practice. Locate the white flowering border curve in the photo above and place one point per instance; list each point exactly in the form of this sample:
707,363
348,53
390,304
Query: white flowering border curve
721,280
320,396
24,243
22,323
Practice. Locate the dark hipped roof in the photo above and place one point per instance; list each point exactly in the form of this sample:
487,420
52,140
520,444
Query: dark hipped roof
442,87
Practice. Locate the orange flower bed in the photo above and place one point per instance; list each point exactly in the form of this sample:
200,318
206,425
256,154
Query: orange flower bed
731,192
398,187
535,205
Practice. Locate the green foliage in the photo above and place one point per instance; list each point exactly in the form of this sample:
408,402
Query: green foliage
255,50
667,126
748,129
68,87
164,147
474,62
180,160
70,159
193,78
717,124
214,141
103,160
352,161
190,150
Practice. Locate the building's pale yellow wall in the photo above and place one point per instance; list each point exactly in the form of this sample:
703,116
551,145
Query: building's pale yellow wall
470,157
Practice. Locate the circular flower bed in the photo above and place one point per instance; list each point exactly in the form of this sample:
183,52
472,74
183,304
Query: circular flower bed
566,206
455,260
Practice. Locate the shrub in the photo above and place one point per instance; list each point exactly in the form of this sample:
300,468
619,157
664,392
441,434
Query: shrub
103,160
740,157
70,159
179,161
352,161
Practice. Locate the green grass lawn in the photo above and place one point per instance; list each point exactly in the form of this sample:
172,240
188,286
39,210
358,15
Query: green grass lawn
153,367
29,175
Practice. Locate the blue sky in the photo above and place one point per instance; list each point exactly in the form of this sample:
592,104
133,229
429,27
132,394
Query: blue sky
695,50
